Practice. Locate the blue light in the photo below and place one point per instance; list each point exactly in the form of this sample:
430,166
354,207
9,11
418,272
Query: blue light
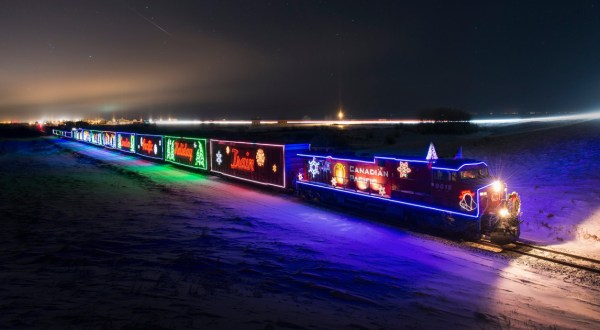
341,190
395,159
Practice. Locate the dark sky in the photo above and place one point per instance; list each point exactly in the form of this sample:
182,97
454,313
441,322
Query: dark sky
288,59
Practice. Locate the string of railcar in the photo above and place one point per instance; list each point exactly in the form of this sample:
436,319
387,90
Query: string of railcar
449,195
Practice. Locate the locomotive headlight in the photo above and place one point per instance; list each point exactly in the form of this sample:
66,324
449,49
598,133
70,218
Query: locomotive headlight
503,212
497,186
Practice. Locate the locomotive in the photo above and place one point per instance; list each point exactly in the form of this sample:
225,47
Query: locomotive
449,195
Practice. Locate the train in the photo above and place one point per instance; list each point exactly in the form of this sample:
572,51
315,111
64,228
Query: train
454,196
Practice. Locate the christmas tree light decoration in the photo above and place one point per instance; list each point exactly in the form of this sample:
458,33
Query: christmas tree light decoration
403,169
459,153
274,168
313,167
300,177
467,201
431,154
200,156
132,144
170,152
260,157
219,159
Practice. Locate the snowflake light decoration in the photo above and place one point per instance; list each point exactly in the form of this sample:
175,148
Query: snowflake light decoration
313,167
403,169
274,168
381,190
333,181
219,157
260,158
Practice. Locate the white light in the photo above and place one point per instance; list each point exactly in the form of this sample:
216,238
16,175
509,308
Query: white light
497,186
503,212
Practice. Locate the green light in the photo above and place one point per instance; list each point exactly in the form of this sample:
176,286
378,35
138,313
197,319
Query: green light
184,151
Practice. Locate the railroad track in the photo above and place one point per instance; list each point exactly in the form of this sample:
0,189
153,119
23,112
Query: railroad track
550,255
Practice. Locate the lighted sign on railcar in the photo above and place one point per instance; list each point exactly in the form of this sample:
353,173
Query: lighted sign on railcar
96,137
126,142
78,134
149,145
186,151
255,162
109,139
86,136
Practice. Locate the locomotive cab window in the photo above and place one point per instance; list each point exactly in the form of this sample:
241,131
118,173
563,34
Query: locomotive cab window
478,173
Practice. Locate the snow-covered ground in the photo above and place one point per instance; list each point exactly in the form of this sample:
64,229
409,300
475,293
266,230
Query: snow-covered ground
556,170
555,167
103,239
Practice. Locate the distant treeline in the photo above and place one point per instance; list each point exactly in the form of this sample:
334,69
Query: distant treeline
445,121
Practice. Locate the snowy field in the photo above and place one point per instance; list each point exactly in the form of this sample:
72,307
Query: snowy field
93,238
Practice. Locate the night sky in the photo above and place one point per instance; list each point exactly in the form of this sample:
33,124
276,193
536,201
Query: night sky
288,59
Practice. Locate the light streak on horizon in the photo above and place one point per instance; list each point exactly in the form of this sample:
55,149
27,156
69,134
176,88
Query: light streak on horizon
582,116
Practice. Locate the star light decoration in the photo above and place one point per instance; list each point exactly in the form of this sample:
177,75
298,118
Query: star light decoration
403,169
333,181
313,167
219,157
381,190
274,168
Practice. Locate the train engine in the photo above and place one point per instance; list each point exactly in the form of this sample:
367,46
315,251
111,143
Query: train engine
453,195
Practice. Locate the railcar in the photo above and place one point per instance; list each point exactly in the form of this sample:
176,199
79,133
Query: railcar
454,195
272,165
